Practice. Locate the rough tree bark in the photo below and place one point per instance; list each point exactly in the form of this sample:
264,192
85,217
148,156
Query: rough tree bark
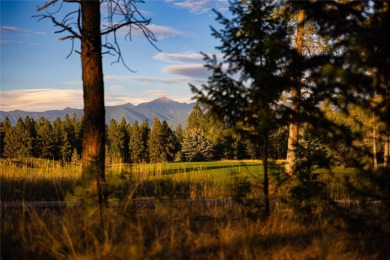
93,156
295,95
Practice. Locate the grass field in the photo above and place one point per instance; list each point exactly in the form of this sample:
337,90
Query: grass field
37,180
190,231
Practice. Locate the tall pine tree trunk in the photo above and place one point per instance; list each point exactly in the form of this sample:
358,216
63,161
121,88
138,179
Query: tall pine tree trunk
93,161
295,96
386,156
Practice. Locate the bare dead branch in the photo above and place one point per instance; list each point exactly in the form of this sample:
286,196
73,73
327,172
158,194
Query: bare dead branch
121,14
46,5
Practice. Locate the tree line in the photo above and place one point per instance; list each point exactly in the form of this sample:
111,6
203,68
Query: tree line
203,138
141,142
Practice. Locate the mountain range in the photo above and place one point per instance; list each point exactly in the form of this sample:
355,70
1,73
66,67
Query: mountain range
173,112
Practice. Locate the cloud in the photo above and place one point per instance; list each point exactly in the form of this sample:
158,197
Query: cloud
179,57
7,32
116,88
189,57
57,99
194,6
10,42
200,6
40,99
188,70
76,82
160,32
12,29
156,93
180,80
120,99
163,32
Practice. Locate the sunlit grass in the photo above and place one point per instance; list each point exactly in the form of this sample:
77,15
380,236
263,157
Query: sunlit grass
36,179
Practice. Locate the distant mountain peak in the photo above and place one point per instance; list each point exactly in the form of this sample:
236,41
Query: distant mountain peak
166,109
164,100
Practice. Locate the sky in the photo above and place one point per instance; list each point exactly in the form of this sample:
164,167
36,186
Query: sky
38,75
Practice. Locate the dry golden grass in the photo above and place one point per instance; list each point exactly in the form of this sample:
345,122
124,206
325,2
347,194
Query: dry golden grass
182,232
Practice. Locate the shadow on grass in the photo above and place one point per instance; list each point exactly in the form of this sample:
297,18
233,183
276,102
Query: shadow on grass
35,190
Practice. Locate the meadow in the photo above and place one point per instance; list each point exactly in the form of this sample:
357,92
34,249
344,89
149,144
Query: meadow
192,230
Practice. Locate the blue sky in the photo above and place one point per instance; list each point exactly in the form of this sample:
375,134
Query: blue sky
37,76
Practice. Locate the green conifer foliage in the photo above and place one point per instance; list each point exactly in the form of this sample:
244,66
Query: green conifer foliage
156,148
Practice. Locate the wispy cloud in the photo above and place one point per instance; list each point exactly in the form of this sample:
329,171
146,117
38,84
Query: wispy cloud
160,32
8,33
12,29
40,99
179,57
194,6
57,99
10,42
76,82
187,57
200,6
176,80
188,70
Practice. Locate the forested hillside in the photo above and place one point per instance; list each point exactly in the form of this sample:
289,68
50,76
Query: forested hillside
139,141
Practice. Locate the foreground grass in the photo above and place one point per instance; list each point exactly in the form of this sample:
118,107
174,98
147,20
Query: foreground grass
188,232
191,231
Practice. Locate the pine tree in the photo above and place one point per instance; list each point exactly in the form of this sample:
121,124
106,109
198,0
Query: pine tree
57,131
195,146
169,141
65,147
258,67
17,141
45,138
156,145
115,142
145,133
5,125
69,126
125,130
197,119
136,144
31,140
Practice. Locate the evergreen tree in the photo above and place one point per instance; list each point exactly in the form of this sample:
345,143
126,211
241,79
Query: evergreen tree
136,143
125,130
57,131
4,127
358,61
115,142
145,133
156,145
195,146
45,138
258,67
31,141
179,133
69,126
197,119
17,141
12,143
169,141
65,147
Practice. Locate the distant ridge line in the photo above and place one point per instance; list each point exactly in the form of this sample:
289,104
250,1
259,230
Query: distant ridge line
166,109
